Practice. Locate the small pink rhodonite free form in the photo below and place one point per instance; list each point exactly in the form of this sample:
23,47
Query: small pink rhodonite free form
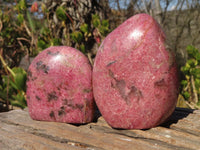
59,86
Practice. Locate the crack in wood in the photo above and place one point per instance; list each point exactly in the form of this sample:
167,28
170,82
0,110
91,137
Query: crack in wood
66,141
37,132
185,130
150,138
136,136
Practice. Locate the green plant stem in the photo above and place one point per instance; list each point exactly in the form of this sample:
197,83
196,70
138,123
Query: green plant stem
6,67
7,101
195,100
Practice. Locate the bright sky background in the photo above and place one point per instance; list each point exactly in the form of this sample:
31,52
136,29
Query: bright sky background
124,4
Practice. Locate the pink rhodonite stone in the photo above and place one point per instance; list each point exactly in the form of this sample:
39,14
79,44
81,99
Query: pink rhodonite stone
59,86
135,79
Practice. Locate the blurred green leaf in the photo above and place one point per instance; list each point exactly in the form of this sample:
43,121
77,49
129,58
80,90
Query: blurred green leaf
192,63
95,20
61,13
1,13
20,78
184,83
192,51
42,44
19,100
197,83
44,8
30,21
198,102
104,30
195,72
105,23
82,48
95,17
14,87
191,71
56,41
198,58
7,88
96,23
76,36
45,31
186,95
6,18
6,79
84,28
185,69
3,93
21,6
20,19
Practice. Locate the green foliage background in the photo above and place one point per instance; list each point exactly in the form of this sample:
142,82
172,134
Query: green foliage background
24,33
190,84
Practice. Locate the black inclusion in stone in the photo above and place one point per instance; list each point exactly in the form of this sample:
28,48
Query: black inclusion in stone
44,68
52,53
79,106
29,73
120,86
41,66
30,76
52,96
72,105
28,97
52,115
160,83
38,98
110,63
61,111
38,64
87,90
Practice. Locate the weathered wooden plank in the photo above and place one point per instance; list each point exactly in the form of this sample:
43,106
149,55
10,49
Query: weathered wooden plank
166,136
190,124
160,136
14,138
175,138
19,131
76,134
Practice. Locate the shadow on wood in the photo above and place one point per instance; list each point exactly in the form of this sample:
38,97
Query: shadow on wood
179,113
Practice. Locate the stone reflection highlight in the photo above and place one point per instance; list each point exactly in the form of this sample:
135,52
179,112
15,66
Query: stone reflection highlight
136,34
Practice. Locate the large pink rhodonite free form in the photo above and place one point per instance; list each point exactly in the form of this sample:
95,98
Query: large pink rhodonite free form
59,86
135,79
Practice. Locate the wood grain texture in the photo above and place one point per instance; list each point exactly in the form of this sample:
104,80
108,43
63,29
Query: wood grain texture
19,131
